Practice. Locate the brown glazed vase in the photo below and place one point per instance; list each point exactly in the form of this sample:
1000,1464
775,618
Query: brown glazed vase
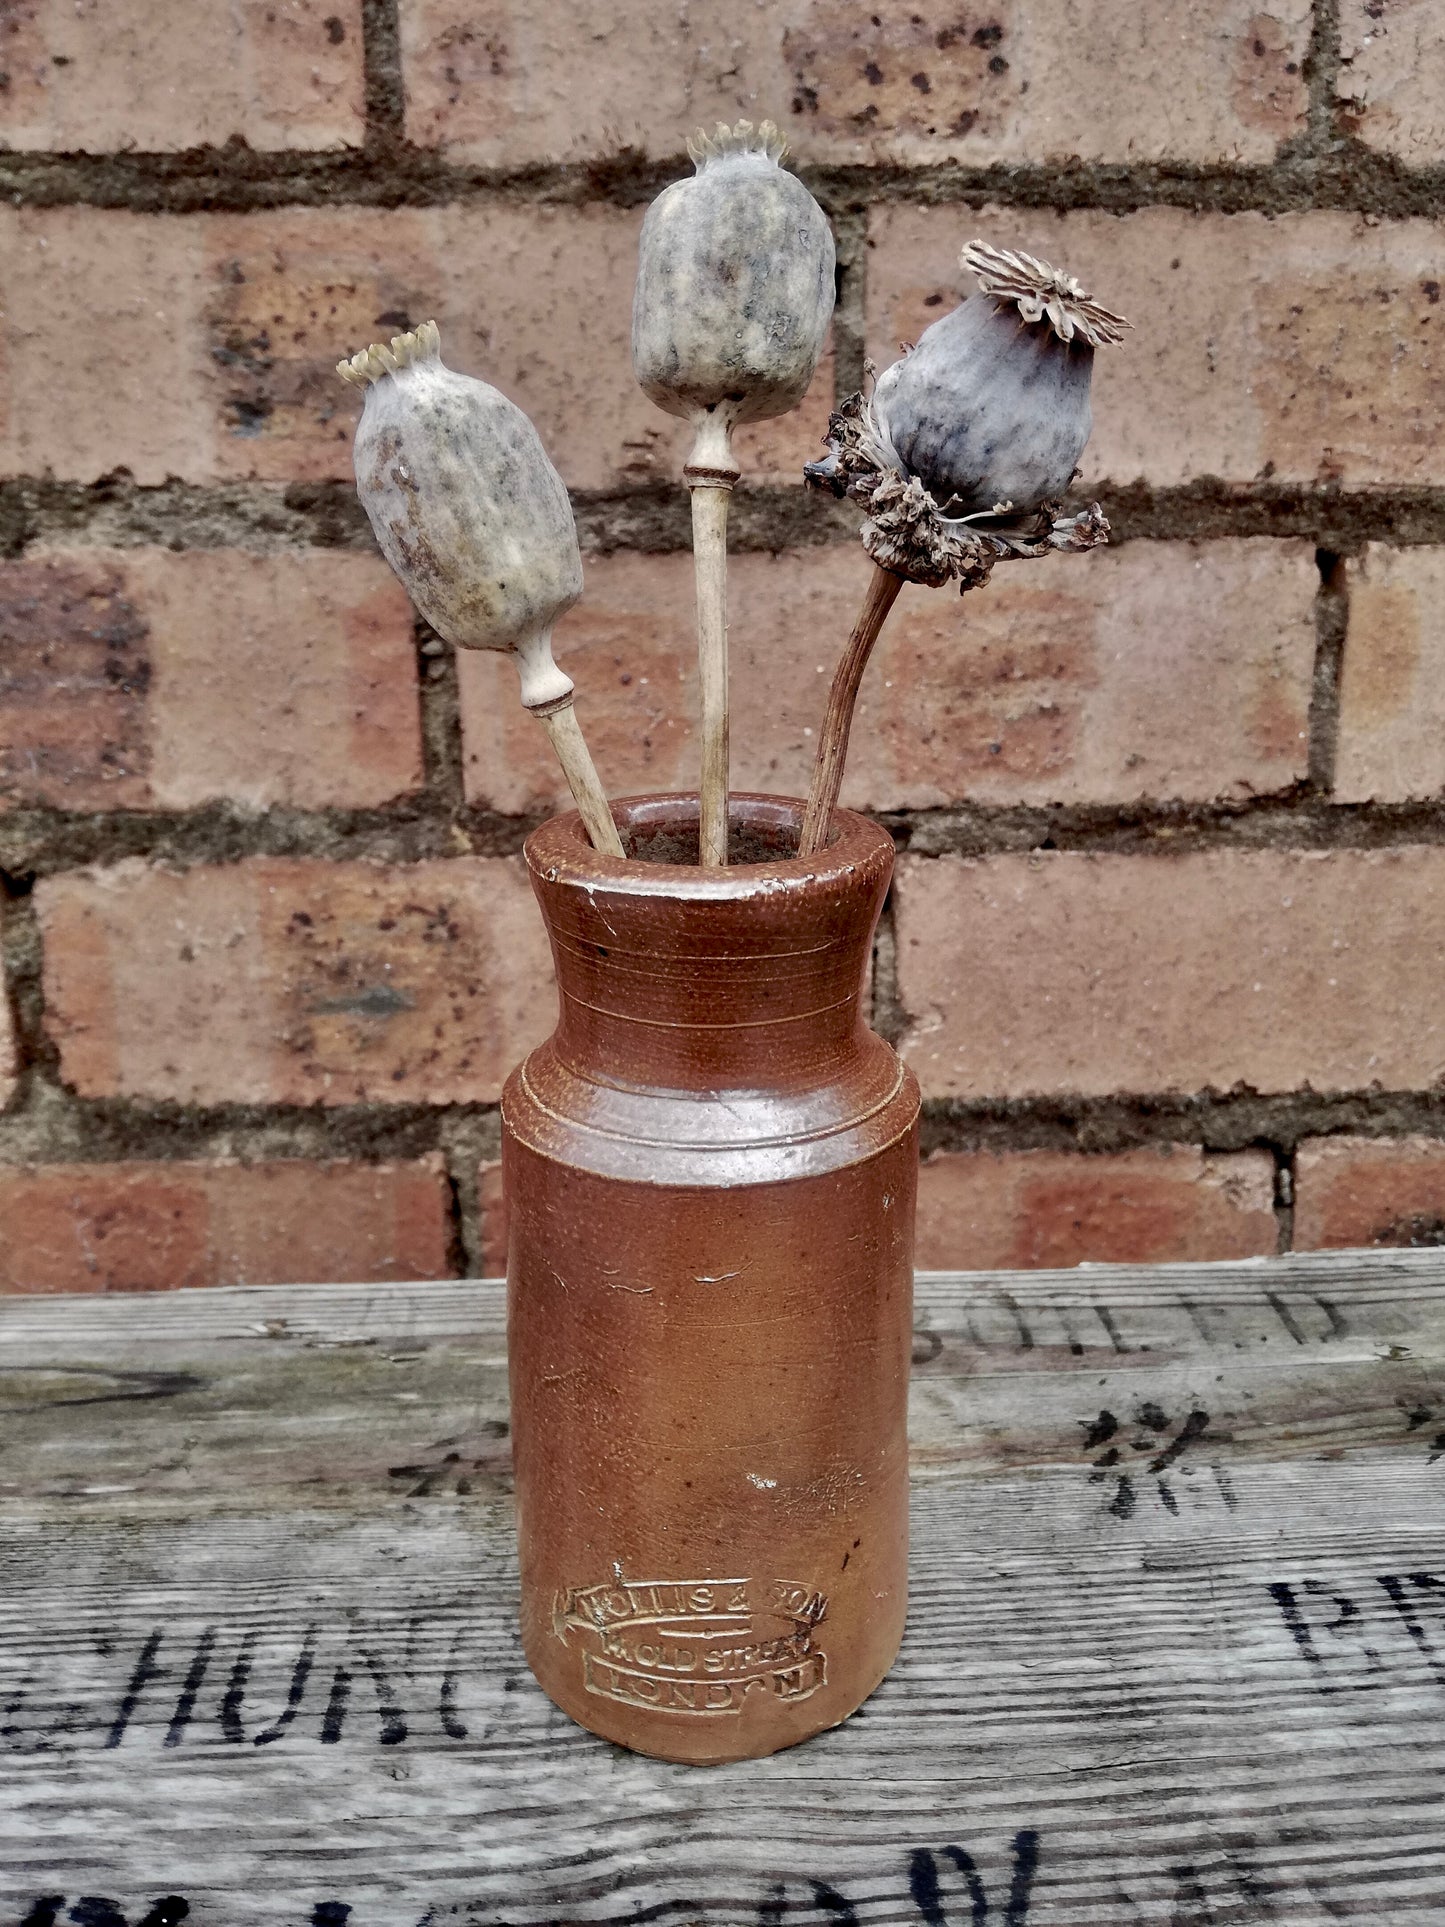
710,1169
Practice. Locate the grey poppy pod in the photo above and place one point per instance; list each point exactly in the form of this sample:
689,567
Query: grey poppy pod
734,284
992,405
466,507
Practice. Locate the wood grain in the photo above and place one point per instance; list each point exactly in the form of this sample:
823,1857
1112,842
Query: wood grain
1176,1651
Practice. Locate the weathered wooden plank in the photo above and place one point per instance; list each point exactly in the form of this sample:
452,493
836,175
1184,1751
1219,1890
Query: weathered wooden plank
1051,1686
1176,1654
332,1313
461,1306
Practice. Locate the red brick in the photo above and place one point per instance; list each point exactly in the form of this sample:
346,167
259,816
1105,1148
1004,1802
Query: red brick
492,1212
267,300
181,73
1269,969
74,685
1013,1210
157,1227
113,299
1369,1191
292,981
205,346
1156,669
1392,77
143,679
502,82
1307,347
1392,688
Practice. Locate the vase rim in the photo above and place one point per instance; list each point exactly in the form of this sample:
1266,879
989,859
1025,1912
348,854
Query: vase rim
559,851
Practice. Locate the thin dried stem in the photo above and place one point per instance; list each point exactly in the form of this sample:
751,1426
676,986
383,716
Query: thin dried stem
710,562
710,472
883,587
573,754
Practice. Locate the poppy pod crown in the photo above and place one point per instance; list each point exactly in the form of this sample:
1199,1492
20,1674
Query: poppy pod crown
1042,293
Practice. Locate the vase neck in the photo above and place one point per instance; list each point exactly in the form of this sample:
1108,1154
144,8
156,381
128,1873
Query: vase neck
674,978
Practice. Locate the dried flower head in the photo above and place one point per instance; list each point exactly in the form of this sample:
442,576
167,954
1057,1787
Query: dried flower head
966,445
465,505
734,283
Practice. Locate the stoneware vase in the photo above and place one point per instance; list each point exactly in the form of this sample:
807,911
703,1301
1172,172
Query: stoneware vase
710,1169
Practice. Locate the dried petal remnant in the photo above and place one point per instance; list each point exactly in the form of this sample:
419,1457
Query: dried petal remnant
907,532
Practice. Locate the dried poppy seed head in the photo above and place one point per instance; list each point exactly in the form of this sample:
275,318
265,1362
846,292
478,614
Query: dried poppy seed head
992,406
734,284
465,506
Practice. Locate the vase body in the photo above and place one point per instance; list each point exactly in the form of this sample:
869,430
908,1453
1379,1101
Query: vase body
710,1169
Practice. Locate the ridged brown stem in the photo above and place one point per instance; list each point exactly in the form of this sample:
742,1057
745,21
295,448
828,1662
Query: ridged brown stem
573,754
883,587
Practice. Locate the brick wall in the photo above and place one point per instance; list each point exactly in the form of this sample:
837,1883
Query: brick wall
1165,942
